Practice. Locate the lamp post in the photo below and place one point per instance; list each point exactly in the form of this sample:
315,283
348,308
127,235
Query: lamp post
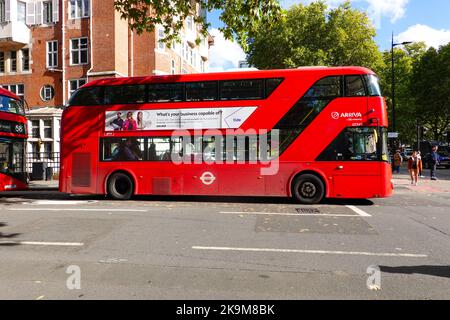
393,78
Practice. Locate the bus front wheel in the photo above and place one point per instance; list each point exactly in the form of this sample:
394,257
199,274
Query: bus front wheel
308,189
120,186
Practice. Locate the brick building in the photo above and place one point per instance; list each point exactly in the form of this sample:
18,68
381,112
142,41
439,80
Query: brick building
48,48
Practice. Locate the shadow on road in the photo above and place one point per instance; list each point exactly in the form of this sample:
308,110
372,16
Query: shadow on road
436,271
6,199
250,200
6,237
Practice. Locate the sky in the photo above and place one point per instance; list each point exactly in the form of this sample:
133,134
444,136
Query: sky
410,20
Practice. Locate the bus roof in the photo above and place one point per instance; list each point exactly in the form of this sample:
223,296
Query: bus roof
9,94
324,71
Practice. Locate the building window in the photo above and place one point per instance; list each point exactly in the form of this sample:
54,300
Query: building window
35,129
161,35
2,61
35,149
79,9
52,54
48,129
47,12
79,51
189,23
75,84
47,93
2,11
203,65
17,89
173,67
13,61
21,11
48,150
25,59
20,91
186,51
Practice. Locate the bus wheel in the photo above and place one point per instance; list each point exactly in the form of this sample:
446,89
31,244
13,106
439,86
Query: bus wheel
308,189
120,186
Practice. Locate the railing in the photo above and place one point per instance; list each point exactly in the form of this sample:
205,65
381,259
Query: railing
47,159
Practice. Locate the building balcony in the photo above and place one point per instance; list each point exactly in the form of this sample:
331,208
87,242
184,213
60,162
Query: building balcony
14,34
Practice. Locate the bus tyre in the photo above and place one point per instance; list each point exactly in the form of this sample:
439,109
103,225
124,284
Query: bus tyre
120,186
308,189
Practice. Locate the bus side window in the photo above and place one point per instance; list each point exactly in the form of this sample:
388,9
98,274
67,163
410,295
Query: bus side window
354,86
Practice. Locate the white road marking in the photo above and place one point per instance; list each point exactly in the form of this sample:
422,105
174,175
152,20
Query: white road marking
288,214
359,211
65,209
349,253
39,243
60,202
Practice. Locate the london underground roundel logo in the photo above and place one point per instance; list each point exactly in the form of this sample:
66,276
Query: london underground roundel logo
335,115
208,178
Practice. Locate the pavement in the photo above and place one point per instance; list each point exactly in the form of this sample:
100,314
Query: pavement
425,185
57,246
44,185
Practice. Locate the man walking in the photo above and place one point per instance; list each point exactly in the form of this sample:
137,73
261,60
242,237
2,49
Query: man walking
434,162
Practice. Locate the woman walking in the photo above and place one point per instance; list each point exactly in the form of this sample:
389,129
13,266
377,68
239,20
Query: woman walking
414,167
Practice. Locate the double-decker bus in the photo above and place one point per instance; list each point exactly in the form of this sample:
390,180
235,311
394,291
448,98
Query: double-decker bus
13,136
322,133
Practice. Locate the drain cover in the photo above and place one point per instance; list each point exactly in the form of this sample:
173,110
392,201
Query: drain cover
308,210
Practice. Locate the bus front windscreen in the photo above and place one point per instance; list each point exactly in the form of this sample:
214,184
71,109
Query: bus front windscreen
12,158
8,104
373,85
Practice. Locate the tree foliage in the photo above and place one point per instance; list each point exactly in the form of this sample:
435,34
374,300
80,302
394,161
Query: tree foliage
405,58
311,35
430,90
240,17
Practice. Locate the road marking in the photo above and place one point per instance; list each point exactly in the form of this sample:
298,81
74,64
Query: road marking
39,243
289,214
40,297
60,202
65,209
348,253
359,211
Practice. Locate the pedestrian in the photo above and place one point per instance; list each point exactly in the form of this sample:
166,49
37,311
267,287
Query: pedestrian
398,160
414,166
421,176
434,162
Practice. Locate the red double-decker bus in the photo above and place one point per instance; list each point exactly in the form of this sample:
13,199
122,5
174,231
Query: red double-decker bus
13,136
308,133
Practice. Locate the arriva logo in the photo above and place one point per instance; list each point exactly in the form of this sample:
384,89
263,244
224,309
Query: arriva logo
346,115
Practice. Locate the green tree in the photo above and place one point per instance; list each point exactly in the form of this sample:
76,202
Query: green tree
311,35
240,17
430,90
406,117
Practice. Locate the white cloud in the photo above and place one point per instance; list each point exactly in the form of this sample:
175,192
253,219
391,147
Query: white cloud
224,54
393,9
419,32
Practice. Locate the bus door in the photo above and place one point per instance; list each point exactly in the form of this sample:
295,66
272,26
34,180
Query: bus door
355,167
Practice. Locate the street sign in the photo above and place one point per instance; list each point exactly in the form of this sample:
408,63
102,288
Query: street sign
393,135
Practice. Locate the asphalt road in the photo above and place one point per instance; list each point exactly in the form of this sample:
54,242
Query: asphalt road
222,248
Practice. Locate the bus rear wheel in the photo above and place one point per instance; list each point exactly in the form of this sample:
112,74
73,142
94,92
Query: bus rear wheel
308,189
120,186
